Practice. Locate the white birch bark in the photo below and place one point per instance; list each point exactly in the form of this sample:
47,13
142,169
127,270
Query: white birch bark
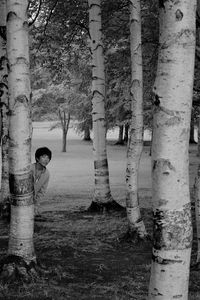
5,192
102,192
173,91
20,130
135,144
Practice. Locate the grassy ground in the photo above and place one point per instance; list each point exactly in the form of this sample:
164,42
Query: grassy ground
82,252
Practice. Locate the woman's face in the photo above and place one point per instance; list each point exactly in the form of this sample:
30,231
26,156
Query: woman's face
44,160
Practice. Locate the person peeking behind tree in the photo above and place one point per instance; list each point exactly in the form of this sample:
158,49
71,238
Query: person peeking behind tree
41,175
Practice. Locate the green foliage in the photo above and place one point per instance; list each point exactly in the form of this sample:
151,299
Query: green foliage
60,53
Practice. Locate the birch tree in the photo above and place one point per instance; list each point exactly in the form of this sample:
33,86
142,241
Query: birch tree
173,90
21,254
5,193
197,179
136,227
102,198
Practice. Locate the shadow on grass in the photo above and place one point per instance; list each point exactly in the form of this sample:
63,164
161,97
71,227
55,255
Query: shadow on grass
85,259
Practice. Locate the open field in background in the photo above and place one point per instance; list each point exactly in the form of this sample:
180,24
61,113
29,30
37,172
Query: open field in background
72,172
81,251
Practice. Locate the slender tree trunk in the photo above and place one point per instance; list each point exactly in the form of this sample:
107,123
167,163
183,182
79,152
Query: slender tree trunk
197,211
136,227
198,143
87,134
192,140
21,254
197,179
120,140
173,91
5,191
64,140
126,131
66,122
102,198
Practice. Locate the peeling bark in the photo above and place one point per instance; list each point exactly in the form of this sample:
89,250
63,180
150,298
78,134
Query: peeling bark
20,130
5,192
102,194
135,144
173,88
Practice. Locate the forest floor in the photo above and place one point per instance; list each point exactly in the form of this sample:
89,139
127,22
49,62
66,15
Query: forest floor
82,252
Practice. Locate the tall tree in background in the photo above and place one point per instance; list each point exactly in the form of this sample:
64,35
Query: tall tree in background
21,254
5,192
173,92
136,227
102,195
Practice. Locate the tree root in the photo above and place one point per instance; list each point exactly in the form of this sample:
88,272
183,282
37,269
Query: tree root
97,207
14,268
133,237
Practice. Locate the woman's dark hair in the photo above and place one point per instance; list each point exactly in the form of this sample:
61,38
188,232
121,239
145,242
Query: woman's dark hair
42,151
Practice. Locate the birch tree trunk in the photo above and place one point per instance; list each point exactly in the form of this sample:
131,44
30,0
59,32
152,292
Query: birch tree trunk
102,198
65,118
20,248
197,213
198,142
192,140
136,227
5,192
120,140
173,91
197,179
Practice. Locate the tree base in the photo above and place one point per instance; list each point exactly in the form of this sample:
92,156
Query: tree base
97,207
121,143
192,142
133,237
14,268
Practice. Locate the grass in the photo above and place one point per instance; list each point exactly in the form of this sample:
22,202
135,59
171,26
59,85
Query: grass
86,261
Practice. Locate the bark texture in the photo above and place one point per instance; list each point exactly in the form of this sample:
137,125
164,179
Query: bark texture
5,192
20,130
197,211
135,144
102,193
173,92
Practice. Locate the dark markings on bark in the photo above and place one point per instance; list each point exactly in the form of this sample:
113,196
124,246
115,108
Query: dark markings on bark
3,32
99,181
21,99
179,15
162,261
101,173
94,4
101,164
11,15
22,200
21,60
164,164
21,185
173,229
3,89
25,24
3,59
99,119
157,100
